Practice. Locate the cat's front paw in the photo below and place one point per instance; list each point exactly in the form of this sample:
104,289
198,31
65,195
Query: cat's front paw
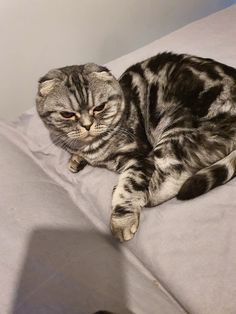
124,226
76,163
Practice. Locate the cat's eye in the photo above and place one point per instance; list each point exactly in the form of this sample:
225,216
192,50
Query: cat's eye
67,114
100,107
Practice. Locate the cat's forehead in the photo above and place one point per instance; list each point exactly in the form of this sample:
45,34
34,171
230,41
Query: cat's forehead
84,92
99,84
82,86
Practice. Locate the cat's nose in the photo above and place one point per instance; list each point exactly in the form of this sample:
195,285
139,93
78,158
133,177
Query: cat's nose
86,121
87,126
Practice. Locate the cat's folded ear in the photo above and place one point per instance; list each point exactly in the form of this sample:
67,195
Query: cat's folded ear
89,68
49,81
97,71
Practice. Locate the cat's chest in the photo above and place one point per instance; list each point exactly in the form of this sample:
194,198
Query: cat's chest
110,156
104,160
100,156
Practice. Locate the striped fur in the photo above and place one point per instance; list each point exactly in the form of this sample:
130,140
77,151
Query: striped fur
208,178
168,126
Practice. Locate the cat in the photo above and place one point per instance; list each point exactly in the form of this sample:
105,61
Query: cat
168,126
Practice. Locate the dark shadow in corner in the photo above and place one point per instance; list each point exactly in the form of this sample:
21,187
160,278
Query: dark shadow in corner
70,272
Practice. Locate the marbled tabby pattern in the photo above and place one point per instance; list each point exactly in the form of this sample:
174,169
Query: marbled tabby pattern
168,126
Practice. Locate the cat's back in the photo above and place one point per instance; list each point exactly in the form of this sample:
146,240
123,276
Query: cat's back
191,82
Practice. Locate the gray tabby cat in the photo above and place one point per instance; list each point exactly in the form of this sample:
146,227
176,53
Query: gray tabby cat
168,126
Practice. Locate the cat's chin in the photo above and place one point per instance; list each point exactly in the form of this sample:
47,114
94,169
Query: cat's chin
92,137
89,138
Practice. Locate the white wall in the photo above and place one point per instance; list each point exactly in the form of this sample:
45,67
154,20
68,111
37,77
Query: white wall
36,35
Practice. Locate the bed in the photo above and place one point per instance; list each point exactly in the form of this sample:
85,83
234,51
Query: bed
56,251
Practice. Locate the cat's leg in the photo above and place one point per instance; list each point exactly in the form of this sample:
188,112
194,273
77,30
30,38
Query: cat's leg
178,159
144,186
129,197
167,179
146,183
76,163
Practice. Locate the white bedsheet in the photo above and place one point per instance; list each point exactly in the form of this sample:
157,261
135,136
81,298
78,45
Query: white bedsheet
54,234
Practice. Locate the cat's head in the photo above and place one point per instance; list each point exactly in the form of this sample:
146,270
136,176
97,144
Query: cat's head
79,104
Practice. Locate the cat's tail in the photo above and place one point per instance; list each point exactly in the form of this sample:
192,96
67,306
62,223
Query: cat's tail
209,178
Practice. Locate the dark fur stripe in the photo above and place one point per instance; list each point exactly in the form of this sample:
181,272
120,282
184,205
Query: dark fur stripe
137,69
207,98
137,186
154,117
193,187
121,211
219,175
201,183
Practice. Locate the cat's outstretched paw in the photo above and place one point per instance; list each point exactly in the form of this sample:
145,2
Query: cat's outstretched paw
76,163
124,226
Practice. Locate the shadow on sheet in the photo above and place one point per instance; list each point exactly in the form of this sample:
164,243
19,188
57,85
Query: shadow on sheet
69,271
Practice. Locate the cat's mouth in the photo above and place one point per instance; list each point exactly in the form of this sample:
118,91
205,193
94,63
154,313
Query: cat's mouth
89,137
86,135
